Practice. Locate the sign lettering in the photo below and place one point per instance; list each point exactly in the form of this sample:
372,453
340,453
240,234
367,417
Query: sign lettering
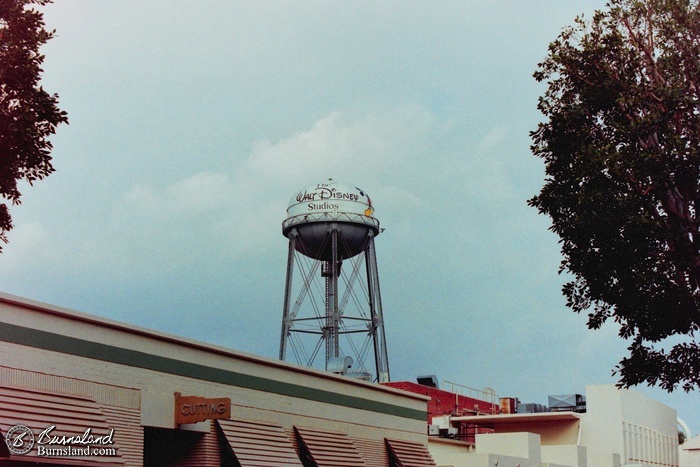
323,193
193,409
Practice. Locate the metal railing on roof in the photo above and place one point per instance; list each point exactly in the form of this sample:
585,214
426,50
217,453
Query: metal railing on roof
486,394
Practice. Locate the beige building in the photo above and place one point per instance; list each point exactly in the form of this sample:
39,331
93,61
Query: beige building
80,390
619,428
689,453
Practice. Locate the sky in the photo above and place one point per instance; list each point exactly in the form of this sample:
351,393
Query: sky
192,124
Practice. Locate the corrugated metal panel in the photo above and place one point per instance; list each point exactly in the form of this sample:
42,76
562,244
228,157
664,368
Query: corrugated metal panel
295,441
71,415
328,449
409,454
373,451
255,443
205,453
128,432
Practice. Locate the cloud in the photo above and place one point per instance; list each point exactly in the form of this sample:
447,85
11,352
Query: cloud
355,148
200,194
493,137
27,240
239,213
221,222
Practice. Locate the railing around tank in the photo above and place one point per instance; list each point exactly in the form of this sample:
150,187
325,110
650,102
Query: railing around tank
331,217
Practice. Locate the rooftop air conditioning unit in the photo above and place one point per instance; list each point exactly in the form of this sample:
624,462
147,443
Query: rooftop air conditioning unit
359,374
450,432
531,408
442,421
568,402
339,365
428,380
509,405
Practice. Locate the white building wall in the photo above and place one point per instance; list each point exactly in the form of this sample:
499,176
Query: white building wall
688,458
620,428
503,450
567,454
689,453
637,428
449,453
522,445
489,460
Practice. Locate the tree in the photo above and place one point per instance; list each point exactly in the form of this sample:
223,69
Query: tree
621,147
28,114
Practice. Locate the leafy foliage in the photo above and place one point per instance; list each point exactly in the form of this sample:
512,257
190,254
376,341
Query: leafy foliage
621,146
28,114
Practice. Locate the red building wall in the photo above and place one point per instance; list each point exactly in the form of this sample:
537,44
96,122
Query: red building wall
444,402
448,403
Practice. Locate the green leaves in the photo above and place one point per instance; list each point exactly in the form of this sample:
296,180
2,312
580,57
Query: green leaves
621,150
28,114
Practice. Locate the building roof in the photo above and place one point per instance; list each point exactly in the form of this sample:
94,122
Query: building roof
511,419
182,342
691,444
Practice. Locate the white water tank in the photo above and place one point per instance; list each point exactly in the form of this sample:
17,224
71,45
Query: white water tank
314,208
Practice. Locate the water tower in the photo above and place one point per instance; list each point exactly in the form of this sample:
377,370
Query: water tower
335,305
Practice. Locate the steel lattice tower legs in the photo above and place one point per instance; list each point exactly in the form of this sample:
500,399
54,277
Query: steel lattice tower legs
335,301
